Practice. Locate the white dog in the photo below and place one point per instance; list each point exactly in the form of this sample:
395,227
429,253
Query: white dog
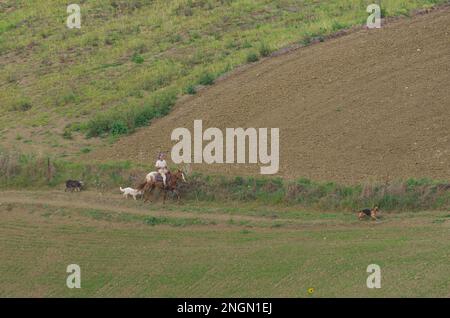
130,191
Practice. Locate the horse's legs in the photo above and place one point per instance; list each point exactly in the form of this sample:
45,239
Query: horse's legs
151,190
146,196
178,195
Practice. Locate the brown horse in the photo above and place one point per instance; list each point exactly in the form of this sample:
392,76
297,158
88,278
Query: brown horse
172,180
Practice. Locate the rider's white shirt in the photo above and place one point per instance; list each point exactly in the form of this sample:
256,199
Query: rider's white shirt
161,164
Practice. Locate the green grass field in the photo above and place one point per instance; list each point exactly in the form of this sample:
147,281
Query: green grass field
131,59
228,237
126,248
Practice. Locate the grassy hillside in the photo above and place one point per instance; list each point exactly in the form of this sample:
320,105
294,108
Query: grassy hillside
131,59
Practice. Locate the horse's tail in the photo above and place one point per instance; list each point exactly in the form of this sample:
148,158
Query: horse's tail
141,186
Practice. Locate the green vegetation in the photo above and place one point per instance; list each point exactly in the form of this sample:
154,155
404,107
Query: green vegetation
131,59
30,171
123,122
229,236
20,170
132,218
22,105
396,195
206,79
252,57
264,50
190,89
126,254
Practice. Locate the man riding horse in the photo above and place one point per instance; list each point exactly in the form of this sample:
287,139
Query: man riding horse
161,171
162,178
161,167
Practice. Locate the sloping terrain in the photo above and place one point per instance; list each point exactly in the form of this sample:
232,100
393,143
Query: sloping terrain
131,58
373,104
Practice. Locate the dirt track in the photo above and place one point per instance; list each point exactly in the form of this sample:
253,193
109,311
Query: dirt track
111,203
368,105
115,203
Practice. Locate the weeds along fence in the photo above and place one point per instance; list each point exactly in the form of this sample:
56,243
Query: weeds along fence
410,194
29,171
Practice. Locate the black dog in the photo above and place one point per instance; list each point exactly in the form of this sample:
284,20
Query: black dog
73,185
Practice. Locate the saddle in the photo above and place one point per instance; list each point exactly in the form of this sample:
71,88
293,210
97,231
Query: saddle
159,178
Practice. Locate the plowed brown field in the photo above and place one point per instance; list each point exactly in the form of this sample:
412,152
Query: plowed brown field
368,105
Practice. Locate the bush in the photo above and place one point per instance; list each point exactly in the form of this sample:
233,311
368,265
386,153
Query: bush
118,123
252,57
138,59
153,220
67,134
206,79
190,89
119,128
22,105
306,40
98,126
70,98
264,50
336,26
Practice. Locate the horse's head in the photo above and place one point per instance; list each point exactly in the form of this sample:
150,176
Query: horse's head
180,175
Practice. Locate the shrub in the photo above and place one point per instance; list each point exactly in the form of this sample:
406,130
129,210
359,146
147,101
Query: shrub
118,128
67,134
246,44
306,41
336,26
206,79
138,59
153,220
264,50
70,98
252,57
190,89
123,122
22,105
98,126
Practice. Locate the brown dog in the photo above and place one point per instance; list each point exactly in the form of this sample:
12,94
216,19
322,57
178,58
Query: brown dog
368,212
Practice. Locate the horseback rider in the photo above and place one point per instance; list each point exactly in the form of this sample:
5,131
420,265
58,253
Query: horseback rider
161,167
